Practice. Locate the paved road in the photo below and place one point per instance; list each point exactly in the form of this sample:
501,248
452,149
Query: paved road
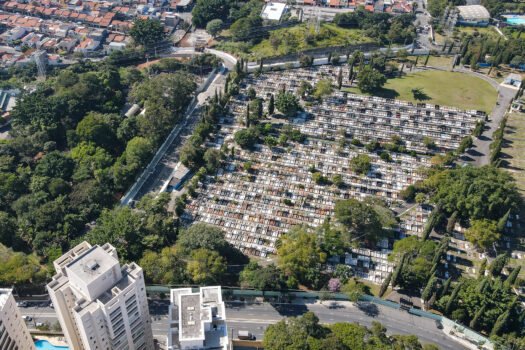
256,317
167,163
162,173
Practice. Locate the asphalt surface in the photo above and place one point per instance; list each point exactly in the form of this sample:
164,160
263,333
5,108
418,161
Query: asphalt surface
479,154
255,318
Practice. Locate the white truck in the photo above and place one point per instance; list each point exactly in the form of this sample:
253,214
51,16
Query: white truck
245,335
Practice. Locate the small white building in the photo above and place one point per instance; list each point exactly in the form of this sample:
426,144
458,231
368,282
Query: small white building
197,320
274,11
13,330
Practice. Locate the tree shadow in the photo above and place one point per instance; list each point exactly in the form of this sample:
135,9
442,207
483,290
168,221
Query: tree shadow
386,93
369,309
419,94
290,310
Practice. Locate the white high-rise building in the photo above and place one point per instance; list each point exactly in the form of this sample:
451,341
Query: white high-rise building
197,320
13,330
100,304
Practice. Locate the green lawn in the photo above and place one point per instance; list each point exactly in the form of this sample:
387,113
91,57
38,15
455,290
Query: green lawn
293,40
490,31
514,148
440,87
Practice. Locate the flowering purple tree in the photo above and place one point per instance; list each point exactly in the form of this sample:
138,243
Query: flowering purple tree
334,285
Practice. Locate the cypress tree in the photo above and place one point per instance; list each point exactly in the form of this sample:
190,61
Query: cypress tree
482,268
500,323
385,284
498,264
428,228
271,105
445,287
397,271
452,221
429,289
340,78
452,300
482,286
433,270
329,57
509,282
351,72
474,324
465,47
247,116
227,83
426,59
261,65
502,222
417,59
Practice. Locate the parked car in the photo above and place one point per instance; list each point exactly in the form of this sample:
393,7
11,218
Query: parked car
39,324
439,325
22,303
245,335
27,318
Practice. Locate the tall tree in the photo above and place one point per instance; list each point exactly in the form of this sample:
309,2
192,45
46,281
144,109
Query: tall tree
147,32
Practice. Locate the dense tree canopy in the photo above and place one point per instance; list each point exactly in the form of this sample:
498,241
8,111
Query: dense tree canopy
370,80
476,193
207,10
306,333
299,255
358,219
287,103
418,261
147,32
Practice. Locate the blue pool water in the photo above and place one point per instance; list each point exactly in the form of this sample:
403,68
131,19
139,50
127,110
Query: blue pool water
515,20
45,345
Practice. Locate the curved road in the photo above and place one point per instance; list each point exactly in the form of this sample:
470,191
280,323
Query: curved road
479,154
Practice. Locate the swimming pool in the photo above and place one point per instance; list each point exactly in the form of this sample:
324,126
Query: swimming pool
45,345
515,20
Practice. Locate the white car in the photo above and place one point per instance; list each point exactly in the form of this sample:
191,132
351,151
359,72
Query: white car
27,318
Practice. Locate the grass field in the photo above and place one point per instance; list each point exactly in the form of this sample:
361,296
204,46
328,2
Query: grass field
513,157
293,40
440,87
514,149
490,31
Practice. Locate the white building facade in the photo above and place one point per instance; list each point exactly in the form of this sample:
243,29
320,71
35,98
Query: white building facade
13,330
197,320
100,304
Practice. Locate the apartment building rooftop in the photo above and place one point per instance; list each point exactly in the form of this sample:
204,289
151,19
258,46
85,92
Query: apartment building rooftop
92,264
197,319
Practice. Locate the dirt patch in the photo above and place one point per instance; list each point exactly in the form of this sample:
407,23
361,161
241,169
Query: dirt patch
146,64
